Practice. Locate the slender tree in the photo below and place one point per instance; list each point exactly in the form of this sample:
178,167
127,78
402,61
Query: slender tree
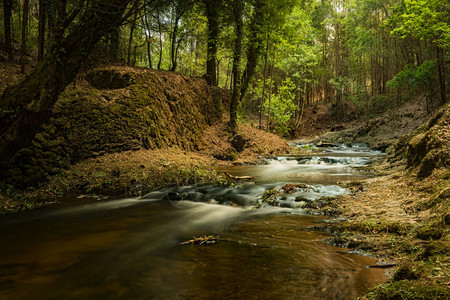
255,45
237,8
41,35
160,39
130,39
181,7
24,35
212,13
7,9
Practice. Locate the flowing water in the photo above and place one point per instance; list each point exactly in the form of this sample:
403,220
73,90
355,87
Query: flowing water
128,248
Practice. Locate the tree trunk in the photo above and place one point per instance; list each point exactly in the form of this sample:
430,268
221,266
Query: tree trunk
237,13
130,39
212,13
261,106
148,35
228,75
23,48
255,46
441,68
24,107
7,7
160,40
270,95
173,50
114,44
41,35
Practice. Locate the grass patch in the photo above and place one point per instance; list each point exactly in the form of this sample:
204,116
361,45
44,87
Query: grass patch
407,290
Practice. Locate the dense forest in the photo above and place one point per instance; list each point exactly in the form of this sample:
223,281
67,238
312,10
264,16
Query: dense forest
336,108
276,56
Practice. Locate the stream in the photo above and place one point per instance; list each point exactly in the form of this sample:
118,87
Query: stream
129,248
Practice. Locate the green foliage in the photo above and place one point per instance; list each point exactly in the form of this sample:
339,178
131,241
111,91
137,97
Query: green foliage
414,77
282,106
341,83
422,19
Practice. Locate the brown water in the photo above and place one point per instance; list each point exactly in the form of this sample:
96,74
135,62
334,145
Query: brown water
127,249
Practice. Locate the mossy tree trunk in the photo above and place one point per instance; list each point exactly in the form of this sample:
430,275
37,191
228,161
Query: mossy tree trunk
212,14
7,7
255,45
181,7
23,48
440,56
237,14
24,107
41,36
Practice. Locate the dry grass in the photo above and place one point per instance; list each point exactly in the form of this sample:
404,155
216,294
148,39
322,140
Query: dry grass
405,221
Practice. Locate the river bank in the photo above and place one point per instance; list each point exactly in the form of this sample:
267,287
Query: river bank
120,131
135,173
403,216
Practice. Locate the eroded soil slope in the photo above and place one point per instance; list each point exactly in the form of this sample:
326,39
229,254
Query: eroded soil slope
404,215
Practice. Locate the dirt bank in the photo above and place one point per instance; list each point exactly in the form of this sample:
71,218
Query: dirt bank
378,131
403,216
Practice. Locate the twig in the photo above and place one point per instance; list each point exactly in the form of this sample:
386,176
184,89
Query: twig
238,177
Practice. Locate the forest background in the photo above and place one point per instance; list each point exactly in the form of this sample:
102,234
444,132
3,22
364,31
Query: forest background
276,56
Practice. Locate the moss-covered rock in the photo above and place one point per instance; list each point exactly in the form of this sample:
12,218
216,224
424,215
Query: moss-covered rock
405,290
429,147
109,79
435,248
430,233
407,271
146,109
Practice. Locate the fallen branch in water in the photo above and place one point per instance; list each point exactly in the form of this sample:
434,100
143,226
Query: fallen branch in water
206,239
239,177
385,266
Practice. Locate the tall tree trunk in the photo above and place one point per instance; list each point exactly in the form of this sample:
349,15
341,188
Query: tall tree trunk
228,75
23,48
114,44
24,107
7,7
270,94
130,39
160,40
180,9
149,55
255,46
212,13
148,35
441,70
237,14
261,105
41,35
173,48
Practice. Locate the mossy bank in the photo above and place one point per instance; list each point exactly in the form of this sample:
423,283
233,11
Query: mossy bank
115,110
403,216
